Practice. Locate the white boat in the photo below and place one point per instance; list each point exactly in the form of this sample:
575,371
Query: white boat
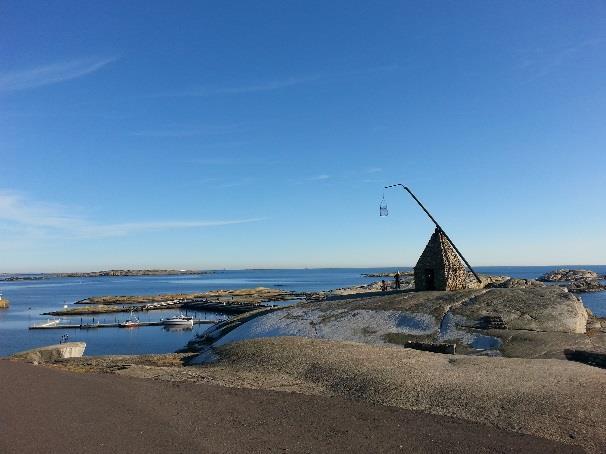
130,324
179,320
133,322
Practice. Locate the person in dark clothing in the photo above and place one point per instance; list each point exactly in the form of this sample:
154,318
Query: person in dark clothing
398,282
383,286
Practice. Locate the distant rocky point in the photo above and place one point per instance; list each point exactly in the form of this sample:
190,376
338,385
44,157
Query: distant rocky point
516,283
404,273
113,273
132,273
586,285
568,275
21,278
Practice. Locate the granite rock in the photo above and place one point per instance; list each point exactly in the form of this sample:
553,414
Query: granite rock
567,275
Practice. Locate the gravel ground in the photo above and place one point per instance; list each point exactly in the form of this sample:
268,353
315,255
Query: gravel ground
553,399
45,410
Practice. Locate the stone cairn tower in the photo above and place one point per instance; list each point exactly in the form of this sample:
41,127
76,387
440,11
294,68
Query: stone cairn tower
439,267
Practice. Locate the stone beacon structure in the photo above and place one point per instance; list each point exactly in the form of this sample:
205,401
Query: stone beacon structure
439,267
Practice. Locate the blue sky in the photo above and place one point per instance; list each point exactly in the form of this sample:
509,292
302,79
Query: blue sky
260,134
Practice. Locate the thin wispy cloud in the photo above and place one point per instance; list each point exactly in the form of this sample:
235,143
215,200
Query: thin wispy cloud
274,84
129,228
50,74
20,216
319,177
253,88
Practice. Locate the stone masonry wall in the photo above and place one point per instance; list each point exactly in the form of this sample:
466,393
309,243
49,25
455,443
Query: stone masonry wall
440,256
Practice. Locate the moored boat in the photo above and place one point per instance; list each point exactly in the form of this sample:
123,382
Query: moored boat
130,324
133,322
179,320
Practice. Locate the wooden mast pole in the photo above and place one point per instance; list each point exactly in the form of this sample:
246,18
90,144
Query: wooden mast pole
438,226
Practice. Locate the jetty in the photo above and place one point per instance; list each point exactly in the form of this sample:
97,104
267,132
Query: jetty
200,304
231,307
204,304
109,325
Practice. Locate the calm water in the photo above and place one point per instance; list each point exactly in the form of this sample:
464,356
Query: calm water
31,298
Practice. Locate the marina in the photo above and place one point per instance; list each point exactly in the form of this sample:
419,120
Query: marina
112,325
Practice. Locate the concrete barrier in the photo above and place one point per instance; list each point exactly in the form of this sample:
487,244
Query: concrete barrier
52,352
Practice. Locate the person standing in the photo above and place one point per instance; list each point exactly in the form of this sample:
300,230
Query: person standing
398,281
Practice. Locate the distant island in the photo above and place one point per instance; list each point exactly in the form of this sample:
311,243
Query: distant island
113,273
567,275
21,278
132,273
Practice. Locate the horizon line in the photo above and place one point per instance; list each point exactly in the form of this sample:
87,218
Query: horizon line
284,268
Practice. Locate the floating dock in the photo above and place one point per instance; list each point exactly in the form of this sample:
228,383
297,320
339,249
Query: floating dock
111,325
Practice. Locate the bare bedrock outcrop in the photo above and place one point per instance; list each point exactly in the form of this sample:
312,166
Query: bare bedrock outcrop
483,321
568,275
551,309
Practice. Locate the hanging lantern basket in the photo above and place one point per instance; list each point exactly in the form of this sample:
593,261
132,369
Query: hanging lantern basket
383,211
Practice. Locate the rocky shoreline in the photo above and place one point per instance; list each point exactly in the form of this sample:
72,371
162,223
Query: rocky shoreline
567,275
576,281
585,285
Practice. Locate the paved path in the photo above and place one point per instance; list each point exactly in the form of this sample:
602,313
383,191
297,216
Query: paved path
47,410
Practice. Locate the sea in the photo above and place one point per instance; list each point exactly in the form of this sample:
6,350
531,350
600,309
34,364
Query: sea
30,299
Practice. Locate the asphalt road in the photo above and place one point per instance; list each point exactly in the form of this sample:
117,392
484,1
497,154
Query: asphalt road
48,410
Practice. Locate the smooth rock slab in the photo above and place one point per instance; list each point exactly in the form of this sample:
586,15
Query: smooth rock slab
340,324
551,309
52,352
